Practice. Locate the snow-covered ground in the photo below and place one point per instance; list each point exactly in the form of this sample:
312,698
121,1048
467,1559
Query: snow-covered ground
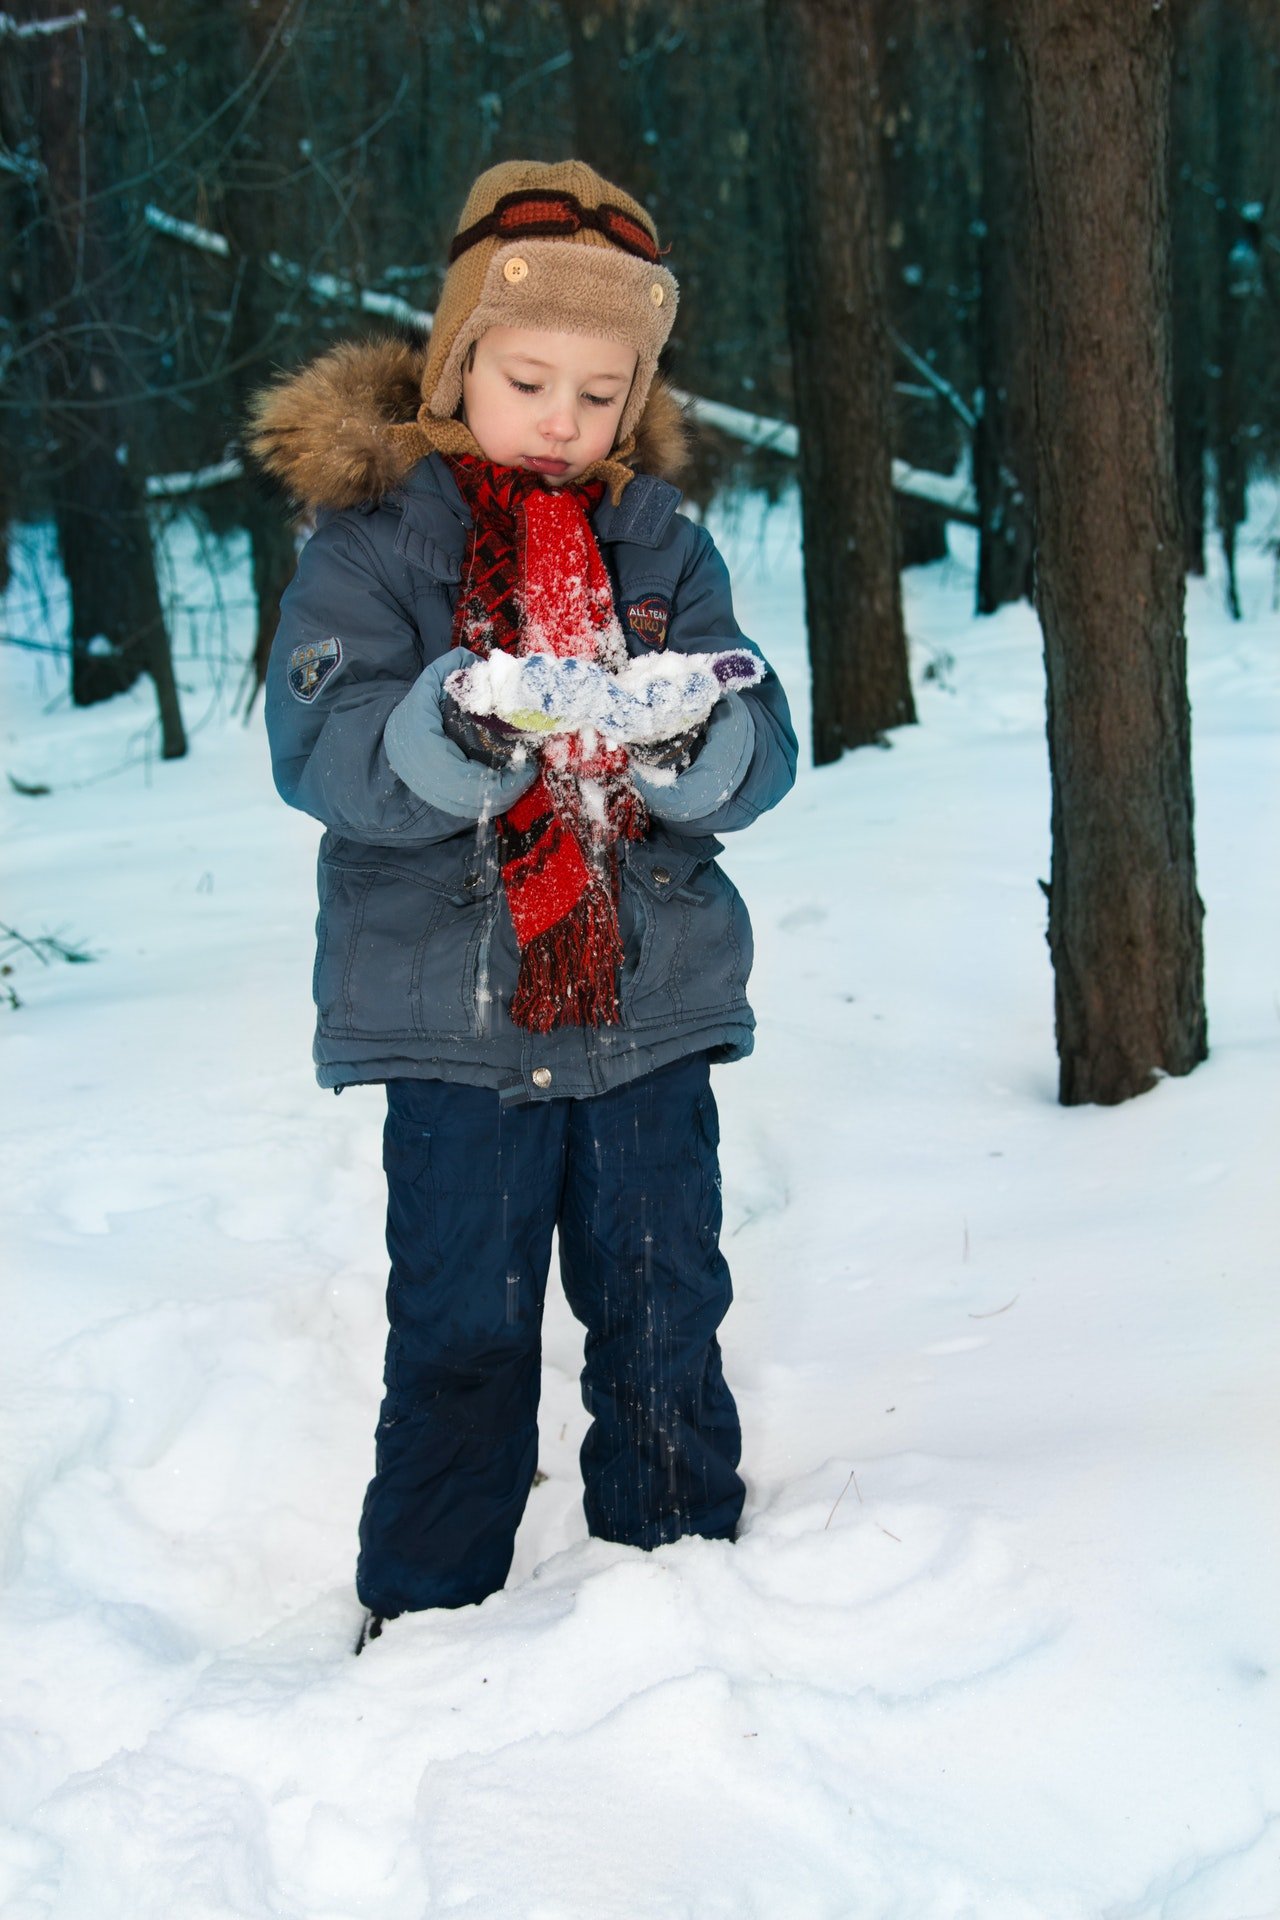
1002,1635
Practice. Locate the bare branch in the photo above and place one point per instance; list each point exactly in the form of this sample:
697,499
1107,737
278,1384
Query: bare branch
943,388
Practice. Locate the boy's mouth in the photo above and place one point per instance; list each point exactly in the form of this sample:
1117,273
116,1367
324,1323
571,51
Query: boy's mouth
541,463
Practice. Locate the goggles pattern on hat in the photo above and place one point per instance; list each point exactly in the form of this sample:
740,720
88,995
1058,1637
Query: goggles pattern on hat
554,215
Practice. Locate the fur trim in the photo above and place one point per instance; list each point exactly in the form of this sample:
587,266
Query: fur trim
321,431
663,434
324,431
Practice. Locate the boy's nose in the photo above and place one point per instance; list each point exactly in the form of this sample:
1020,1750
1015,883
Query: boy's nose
559,424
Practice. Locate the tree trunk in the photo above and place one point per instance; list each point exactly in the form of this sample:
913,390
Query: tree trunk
117,621
1124,915
6,516
924,431
1192,251
1229,458
1004,443
823,70
609,108
251,221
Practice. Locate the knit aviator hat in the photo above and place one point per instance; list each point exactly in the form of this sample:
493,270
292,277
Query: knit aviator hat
553,247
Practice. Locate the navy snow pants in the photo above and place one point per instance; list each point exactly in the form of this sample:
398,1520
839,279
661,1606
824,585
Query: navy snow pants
631,1180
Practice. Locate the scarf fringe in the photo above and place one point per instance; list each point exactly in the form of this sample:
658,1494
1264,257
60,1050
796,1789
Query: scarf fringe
554,988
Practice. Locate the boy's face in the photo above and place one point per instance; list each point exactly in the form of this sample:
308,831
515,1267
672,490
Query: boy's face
547,402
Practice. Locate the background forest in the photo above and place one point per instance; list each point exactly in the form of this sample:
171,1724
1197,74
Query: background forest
192,198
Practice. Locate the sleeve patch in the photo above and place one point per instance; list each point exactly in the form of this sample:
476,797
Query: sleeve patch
648,619
310,666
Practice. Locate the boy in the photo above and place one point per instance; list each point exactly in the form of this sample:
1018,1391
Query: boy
523,932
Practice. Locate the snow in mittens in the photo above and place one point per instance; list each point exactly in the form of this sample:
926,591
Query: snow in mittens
652,697
1000,1639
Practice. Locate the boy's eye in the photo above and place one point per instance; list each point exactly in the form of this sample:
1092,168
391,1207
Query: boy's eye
592,399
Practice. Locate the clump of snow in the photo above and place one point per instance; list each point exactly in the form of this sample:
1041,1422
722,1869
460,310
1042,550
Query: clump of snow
653,697
1001,1634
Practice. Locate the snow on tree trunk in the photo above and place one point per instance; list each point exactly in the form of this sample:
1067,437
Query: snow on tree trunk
1124,915
823,72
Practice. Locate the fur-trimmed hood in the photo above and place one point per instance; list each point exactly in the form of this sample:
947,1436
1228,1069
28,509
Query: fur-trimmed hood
340,431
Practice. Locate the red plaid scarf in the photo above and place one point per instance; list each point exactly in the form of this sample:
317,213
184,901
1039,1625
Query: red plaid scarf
533,581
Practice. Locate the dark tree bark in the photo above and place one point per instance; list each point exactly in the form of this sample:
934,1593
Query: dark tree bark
609,107
6,515
822,66
99,497
904,160
94,509
1004,443
117,621
252,222
713,155
1229,453
275,557
929,160
1192,251
1124,915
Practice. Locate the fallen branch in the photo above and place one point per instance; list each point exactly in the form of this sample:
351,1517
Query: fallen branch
168,486
46,947
851,1481
11,29
995,1310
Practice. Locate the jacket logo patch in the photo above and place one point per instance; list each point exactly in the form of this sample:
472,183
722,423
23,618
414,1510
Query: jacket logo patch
311,665
648,619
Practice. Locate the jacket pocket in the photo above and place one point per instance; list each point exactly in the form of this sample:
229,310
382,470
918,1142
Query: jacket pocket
401,949
687,935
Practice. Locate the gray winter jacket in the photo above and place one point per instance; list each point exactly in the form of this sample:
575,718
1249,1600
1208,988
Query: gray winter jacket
416,955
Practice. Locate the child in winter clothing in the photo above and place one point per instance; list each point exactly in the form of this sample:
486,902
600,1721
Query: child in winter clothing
509,682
